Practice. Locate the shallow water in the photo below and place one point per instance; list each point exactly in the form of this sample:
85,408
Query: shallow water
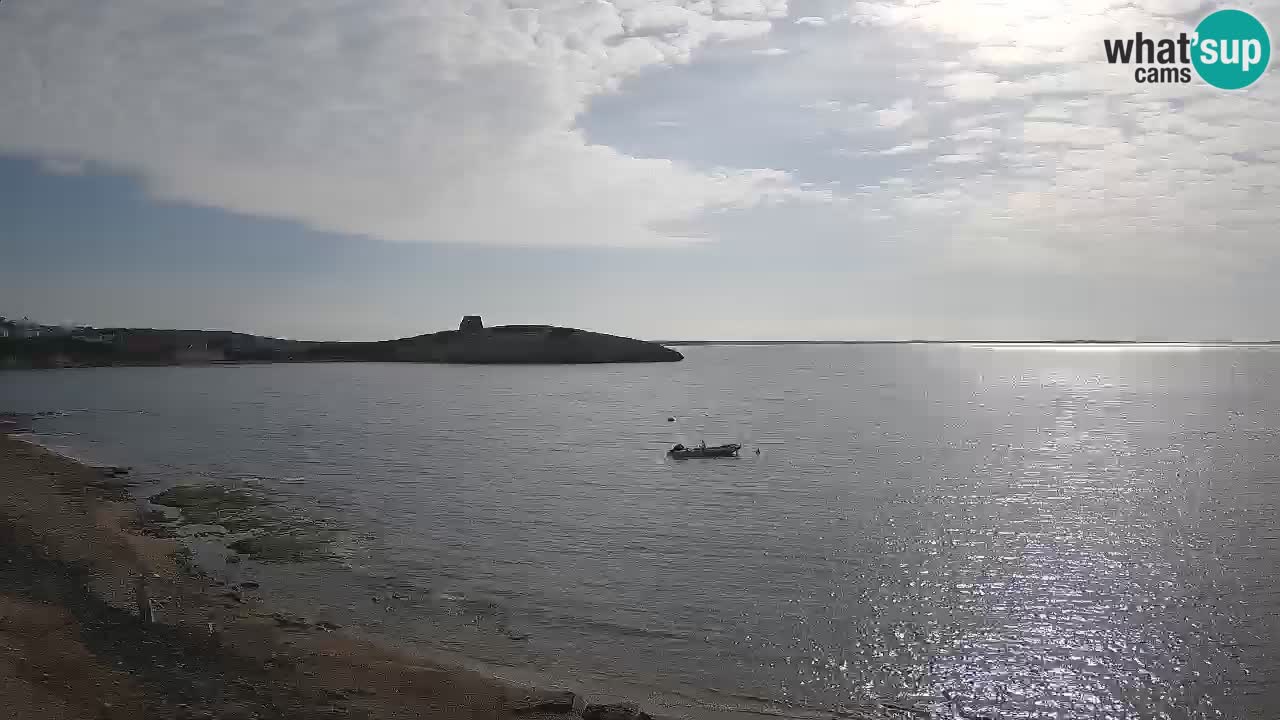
1037,532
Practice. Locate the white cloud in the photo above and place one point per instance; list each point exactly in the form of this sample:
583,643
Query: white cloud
771,52
958,158
972,85
397,119
897,115
981,132
911,147
1065,133
751,9
1050,111
1066,156
460,120
1171,7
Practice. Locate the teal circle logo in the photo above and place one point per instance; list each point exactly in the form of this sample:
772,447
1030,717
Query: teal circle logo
1232,49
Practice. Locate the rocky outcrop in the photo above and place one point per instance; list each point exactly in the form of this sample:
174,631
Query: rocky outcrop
615,711
542,702
511,344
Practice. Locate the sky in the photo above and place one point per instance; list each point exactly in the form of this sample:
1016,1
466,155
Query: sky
665,169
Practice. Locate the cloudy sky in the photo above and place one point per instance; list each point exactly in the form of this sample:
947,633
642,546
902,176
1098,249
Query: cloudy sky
358,169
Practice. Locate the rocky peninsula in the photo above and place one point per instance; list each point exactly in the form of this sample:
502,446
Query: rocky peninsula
472,342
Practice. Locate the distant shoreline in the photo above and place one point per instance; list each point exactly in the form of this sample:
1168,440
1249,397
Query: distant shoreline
1186,343
471,344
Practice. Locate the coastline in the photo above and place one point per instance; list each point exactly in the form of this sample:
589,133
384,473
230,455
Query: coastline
73,644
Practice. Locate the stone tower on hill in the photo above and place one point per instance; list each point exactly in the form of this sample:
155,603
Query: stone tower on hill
471,323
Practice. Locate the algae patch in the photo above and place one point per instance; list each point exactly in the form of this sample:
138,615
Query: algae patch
235,508
255,525
285,547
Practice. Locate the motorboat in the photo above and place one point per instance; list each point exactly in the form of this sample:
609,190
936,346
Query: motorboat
702,451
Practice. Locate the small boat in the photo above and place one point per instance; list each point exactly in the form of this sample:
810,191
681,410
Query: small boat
702,451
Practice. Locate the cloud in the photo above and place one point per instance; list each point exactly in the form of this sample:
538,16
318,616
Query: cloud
1041,133
911,147
1172,7
395,119
58,166
897,115
981,132
972,85
1053,151
771,52
986,123
958,158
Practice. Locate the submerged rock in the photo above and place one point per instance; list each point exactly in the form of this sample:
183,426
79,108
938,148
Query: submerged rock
278,548
264,532
113,470
290,621
234,508
615,711
546,701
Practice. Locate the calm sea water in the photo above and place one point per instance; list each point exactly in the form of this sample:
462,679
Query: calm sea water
1037,532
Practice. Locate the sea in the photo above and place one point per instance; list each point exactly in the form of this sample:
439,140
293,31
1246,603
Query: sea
1000,531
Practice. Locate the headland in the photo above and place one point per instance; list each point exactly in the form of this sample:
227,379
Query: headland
43,346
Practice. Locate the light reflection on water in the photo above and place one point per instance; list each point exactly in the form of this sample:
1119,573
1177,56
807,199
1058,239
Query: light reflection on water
1033,533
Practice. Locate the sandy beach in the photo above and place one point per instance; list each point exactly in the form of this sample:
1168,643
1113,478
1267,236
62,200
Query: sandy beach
73,645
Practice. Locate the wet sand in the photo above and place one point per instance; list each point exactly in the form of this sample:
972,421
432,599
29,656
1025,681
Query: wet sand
73,546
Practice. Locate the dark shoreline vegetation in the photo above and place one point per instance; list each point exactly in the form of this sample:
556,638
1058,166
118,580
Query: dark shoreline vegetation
472,343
